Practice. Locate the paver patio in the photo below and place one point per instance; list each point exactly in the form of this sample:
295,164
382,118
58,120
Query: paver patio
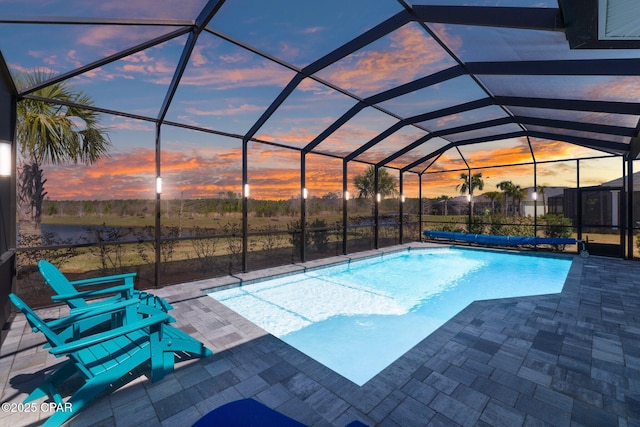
566,359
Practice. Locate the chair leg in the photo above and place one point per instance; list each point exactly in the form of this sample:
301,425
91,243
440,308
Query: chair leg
85,395
102,384
157,356
51,383
181,342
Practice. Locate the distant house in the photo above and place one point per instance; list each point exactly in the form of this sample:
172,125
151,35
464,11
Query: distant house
452,206
541,203
598,205
548,202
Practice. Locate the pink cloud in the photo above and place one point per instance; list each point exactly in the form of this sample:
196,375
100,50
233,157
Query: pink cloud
229,111
197,56
109,37
101,35
313,30
410,54
44,56
288,51
616,89
263,73
131,124
139,57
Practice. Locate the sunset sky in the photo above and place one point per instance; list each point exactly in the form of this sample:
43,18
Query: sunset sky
226,88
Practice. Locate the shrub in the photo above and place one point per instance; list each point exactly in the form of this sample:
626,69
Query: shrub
451,226
108,245
497,225
204,246
557,226
147,243
28,259
477,225
317,235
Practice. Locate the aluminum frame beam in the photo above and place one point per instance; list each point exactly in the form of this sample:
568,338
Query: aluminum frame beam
531,18
571,67
346,49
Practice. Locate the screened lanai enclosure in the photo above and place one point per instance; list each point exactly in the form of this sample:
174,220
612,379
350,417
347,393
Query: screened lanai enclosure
214,137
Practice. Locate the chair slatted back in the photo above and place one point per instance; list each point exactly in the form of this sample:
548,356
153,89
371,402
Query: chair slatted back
59,283
36,322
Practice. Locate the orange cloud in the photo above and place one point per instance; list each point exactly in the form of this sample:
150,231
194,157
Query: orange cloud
411,54
295,137
616,89
495,156
274,173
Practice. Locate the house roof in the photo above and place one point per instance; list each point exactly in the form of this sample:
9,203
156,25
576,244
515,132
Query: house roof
619,182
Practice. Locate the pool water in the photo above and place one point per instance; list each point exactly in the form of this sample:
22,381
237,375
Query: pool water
358,317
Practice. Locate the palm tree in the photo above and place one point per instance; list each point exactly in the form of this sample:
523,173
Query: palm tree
55,134
365,183
468,185
518,193
541,190
493,196
445,199
505,187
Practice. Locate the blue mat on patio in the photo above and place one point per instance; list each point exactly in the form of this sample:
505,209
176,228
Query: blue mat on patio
250,413
246,413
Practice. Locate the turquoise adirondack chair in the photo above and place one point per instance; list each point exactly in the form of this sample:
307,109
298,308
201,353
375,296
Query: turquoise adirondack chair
71,293
110,359
67,291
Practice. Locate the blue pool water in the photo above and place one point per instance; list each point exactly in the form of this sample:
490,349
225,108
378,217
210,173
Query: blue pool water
357,318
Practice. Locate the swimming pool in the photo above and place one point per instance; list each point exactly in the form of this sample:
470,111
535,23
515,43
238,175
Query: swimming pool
358,317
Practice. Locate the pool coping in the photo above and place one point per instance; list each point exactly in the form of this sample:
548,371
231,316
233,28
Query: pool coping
243,279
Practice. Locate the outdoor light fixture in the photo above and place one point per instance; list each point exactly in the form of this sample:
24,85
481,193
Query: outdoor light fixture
346,195
378,197
534,195
468,197
158,185
402,198
246,191
305,193
5,158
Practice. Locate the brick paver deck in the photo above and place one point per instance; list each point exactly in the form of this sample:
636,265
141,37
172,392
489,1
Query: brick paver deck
567,359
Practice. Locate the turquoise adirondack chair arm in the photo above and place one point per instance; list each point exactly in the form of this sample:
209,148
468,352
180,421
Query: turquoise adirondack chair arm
82,314
154,301
64,349
126,277
125,289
